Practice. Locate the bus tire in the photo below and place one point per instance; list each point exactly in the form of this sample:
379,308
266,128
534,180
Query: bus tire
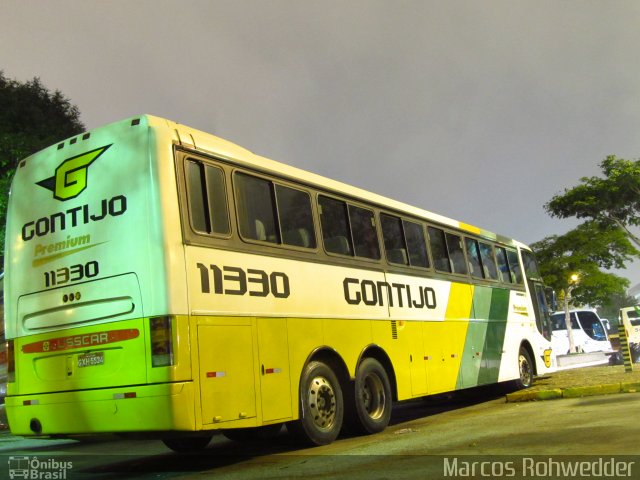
525,369
321,406
253,434
187,444
370,410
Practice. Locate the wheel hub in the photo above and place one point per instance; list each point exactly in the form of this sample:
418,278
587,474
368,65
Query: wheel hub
322,403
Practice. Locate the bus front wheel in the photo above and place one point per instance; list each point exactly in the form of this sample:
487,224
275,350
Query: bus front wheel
321,406
525,367
372,398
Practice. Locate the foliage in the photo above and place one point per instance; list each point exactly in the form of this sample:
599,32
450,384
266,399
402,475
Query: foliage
611,309
587,251
31,118
612,200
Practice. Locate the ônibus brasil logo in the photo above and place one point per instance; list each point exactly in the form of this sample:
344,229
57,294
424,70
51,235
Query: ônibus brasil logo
71,175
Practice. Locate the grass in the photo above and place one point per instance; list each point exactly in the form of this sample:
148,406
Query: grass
586,377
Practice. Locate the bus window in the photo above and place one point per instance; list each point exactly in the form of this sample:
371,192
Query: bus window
558,321
363,229
530,265
634,319
296,219
514,267
456,253
473,252
208,209
291,223
335,226
416,244
488,261
393,239
590,323
256,212
439,250
503,266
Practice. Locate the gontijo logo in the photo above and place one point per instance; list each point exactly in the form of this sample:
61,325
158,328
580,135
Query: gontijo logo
71,175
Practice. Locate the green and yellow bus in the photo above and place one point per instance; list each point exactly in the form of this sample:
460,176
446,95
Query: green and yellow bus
163,281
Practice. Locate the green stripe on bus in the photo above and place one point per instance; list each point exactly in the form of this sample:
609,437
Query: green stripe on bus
485,337
494,340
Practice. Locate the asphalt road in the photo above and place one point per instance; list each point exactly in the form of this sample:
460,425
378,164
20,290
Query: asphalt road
450,438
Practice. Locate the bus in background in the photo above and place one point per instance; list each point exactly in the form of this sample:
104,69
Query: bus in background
589,333
161,280
630,318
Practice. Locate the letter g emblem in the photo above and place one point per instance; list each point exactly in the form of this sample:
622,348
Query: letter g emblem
70,179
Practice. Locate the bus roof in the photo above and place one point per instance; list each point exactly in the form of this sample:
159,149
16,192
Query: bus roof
189,137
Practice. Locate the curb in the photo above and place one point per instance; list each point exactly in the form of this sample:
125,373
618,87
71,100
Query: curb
573,392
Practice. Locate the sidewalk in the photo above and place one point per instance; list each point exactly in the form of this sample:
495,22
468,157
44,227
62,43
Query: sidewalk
580,382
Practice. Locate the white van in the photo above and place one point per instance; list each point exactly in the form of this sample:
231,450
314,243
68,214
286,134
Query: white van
589,333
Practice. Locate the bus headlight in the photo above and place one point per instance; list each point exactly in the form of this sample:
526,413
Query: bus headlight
161,339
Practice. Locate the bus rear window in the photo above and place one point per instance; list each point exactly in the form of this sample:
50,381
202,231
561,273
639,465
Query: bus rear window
207,198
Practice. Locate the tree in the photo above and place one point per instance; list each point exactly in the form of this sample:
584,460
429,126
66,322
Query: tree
574,264
587,250
31,118
612,200
611,309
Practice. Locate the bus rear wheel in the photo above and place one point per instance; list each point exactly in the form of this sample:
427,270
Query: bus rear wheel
321,406
370,410
525,367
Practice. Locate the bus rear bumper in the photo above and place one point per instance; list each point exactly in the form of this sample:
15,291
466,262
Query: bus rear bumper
143,408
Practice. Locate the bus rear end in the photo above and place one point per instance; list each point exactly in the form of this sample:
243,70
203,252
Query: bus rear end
90,345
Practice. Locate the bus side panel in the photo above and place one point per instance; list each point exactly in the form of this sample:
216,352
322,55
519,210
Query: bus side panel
275,377
444,341
227,384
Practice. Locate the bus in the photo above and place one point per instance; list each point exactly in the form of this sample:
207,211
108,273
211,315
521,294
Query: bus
163,281
630,318
588,331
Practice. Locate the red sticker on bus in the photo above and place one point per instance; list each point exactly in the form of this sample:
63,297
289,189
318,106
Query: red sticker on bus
81,341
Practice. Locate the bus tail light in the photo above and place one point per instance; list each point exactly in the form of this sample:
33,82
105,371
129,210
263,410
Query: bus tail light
161,341
10,360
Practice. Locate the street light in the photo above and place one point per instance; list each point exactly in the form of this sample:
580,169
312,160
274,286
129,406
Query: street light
573,283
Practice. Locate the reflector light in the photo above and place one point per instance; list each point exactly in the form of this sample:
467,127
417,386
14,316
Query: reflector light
11,361
161,339
121,396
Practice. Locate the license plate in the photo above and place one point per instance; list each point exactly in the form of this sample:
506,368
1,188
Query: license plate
90,359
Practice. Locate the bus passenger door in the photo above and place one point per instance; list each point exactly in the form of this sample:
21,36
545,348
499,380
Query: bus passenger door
226,373
275,386
538,294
